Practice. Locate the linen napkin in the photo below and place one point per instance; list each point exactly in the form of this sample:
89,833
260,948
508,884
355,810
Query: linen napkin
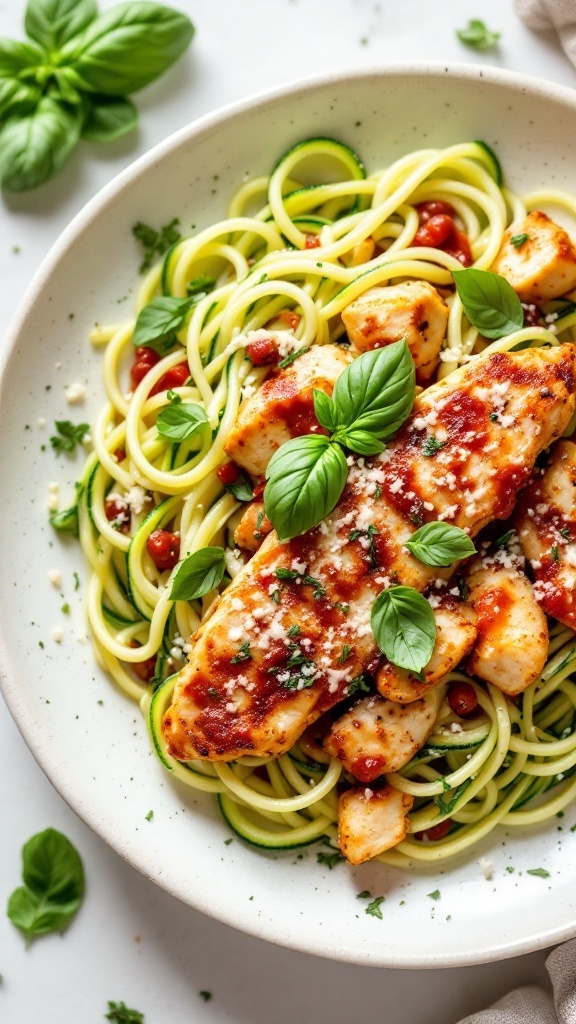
543,15
531,1004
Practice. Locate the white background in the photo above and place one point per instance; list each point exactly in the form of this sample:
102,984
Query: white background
131,941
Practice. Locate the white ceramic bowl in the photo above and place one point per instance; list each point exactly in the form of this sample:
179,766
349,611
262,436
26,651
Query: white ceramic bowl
91,741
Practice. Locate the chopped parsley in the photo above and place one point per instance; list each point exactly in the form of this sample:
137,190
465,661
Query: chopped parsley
446,806
359,683
68,435
494,417
373,909
291,574
345,654
294,631
554,553
329,859
510,869
122,1014
463,588
370,534
76,581
65,608
344,608
539,872
434,895
518,240
155,243
149,816
213,693
364,895
204,994
565,532
292,357
503,540
431,446
244,653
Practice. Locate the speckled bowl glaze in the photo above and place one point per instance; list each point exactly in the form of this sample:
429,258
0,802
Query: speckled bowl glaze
89,739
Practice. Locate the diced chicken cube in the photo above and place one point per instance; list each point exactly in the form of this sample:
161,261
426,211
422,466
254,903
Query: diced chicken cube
369,823
546,524
413,310
378,736
284,407
253,527
512,643
455,636
542,267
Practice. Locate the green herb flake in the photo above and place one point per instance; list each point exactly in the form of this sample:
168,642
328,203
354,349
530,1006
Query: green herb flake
346,649
434,895
228,841
431,446
510,869
68,435
554,553
357,684
149,816
294,631
503,540
446,806
518,240
213,693
565,532
538,872
122,1014
329,859
201,285
76,581
244,654
65,608
478,35
155,243
204,994
373,909
364,895
292,357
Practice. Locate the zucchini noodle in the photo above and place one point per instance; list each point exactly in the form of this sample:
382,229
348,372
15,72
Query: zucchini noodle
324,233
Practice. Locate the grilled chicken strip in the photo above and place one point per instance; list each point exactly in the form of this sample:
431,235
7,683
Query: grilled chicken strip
369,823
546,524
413,310
284,407
378,736
293,629
543,266
512,644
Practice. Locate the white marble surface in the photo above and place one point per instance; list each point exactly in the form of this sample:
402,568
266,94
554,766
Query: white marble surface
131,941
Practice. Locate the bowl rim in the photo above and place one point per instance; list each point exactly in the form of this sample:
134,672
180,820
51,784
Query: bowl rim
81,222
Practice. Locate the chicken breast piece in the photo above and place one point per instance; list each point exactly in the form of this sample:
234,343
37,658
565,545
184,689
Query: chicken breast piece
378,736
284,407
413,310
542,267
292,631
512,644
455,636
369,823
546,524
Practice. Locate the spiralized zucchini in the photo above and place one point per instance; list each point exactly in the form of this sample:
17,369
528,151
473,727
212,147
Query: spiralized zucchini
325,232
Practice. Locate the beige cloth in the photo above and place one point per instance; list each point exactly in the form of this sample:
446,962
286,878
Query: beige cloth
531,1005
543,15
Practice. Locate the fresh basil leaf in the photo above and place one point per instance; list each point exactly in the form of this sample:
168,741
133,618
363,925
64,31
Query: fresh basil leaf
53,22
376,392
127,47
242,490
489,301
306,476
179,421
53,887
199,574
16,57
159,321
325,410
62,90
440,544
361,441
17,97
404,627
478,35
108,118
34,147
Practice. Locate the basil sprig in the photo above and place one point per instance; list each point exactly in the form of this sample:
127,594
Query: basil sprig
489,301
371,400
198,574
159,322
440,544
53,887
306,476
71,79
179,420
404,627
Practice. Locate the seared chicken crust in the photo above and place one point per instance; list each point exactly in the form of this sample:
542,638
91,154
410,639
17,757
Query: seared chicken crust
292,632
